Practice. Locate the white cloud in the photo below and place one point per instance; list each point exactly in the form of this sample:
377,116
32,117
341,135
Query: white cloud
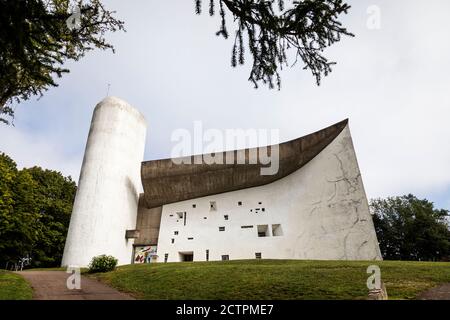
29,150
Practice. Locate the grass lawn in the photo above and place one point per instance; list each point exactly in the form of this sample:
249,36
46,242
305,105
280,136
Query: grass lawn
14,287
273,279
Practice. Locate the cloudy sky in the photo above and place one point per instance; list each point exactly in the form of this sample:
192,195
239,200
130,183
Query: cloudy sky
393,83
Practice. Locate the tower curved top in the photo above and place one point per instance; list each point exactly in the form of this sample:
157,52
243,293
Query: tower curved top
112,101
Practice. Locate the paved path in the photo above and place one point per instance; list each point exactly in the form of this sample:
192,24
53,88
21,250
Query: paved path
51,285
441,292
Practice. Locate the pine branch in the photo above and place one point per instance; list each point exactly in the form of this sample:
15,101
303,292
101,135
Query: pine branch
308,28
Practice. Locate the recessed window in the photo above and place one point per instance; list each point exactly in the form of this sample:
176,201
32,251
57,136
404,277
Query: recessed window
186,256
225,257
276,230
221,228
260,202
251,210
173,240
212,206
263,230
190,238
239,203
263,209
207,255
205,218
175,233
194,205
225,217
171,215
258,255
166,256
246,227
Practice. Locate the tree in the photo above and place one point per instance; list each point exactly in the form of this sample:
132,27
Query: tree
17,221
54,195
37,37
35,40
35,208
411,229
308,26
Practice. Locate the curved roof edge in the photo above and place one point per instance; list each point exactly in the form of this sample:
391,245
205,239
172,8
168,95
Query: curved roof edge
165,181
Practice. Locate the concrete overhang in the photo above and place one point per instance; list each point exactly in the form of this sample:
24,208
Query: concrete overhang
165,181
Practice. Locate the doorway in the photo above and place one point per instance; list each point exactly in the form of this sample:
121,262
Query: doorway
186,256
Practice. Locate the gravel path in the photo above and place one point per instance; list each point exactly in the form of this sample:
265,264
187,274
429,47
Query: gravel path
51,285
441,292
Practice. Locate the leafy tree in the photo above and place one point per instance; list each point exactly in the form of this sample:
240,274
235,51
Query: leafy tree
17,222
54,196
35,41
307,26
409,228
8,173
35,208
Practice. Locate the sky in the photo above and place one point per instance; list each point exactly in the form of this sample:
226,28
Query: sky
392,80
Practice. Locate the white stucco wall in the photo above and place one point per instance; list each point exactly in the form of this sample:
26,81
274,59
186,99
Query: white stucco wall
322,209
107,197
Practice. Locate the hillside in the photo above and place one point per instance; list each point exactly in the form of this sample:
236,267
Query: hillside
273,279
14,287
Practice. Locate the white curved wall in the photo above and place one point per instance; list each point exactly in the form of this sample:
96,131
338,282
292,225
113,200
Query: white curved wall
107,197
322,209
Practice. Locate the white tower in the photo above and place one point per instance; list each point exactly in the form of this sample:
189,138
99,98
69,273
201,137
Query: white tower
108,190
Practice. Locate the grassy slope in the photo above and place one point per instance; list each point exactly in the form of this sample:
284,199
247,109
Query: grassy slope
274,279
14,287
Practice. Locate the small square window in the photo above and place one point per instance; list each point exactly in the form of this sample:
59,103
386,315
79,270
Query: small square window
221,228
239,203
175,233
258,255
225,257
277,231
263,230
260,202
173,240
263,209
225,217
194,205
205,218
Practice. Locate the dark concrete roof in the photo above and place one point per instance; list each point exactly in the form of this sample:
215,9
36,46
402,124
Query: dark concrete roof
166,182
